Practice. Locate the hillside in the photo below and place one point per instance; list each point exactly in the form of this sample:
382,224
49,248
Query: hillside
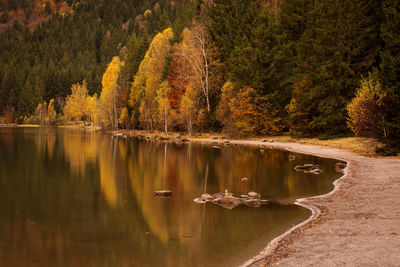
311,68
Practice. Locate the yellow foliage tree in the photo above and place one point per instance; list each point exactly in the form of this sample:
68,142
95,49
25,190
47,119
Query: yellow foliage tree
74,108
164,107
188,108
147,79
124,118
41,112
91,106
198,53
51,117
369,110
224,112
244,111
109,94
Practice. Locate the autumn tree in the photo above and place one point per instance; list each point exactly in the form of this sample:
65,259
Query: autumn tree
75,103
196,49
91,107
224,112
51,117
41,112
368,111
245,112
164,106
188,108
124,118
143,96
109,94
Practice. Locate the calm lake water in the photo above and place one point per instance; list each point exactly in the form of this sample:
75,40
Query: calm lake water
70,198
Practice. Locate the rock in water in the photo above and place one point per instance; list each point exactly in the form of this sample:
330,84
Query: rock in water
217,195
163,193
227,200
254,195
255,202
339,167
206,197
199,200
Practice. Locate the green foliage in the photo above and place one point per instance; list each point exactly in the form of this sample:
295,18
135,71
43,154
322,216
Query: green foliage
390,69
340,43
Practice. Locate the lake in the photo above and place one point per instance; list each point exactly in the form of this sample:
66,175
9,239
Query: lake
75,198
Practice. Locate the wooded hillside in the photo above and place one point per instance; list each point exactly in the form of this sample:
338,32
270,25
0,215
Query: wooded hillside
310,67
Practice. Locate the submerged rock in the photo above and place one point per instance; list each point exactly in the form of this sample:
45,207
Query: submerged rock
255,202
308,168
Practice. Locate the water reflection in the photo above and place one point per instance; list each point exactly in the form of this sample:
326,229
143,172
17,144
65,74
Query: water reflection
75,198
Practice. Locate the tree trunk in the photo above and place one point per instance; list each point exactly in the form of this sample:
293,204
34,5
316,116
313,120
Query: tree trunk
115,116
165,119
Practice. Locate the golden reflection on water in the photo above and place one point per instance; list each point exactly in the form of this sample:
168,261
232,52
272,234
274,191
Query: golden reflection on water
81,198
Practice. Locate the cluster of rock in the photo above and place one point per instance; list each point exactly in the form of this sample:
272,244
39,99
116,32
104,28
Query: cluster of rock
308,168
229,201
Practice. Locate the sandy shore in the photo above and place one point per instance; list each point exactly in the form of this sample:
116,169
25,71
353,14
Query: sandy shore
357,224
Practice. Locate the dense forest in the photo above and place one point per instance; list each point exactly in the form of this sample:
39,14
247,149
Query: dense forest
323,68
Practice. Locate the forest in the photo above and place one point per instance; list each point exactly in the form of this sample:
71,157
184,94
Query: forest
313,68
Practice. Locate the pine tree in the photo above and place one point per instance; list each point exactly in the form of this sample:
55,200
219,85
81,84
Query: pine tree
339,44
390,68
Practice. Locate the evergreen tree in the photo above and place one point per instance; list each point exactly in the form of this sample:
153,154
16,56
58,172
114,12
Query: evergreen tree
390,68
339,45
